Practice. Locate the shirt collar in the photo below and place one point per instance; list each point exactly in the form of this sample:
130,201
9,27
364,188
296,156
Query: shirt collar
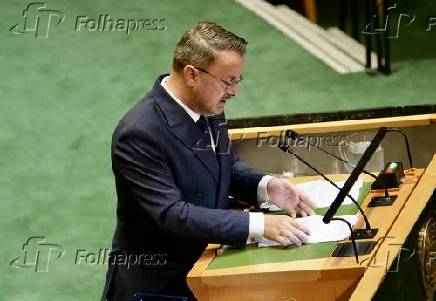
194,115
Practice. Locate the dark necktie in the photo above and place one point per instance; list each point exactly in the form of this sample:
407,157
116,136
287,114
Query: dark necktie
205,134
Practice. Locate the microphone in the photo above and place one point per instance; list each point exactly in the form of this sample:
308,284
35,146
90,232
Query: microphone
406,142
366,246
368,232
387,199
355,174
341,248
294,135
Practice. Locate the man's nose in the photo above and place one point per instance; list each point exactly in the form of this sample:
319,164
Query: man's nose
233,90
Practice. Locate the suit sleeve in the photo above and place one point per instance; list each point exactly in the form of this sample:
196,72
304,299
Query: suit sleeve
244,180
141,163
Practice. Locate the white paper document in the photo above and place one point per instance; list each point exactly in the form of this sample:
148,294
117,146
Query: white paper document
322,193
320,232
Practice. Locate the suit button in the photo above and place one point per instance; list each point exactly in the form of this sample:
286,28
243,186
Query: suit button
199,193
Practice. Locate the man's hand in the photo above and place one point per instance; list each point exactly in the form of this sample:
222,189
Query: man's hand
288,197
284,230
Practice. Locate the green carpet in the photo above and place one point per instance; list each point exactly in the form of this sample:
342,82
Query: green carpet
62,96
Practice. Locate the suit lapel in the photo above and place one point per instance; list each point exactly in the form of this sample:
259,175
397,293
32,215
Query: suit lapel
222,149
184,129
191,136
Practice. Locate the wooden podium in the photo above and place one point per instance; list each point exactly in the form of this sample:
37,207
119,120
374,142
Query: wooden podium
328,278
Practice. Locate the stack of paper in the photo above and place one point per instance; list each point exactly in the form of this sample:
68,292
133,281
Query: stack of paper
320,232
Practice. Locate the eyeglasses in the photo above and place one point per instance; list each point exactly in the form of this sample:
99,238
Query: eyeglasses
228,85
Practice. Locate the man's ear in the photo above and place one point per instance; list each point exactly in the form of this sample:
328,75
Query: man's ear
190,75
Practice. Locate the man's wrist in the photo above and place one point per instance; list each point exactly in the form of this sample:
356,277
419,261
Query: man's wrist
262,189
256,226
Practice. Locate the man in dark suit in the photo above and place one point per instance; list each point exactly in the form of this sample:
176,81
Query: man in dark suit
174,170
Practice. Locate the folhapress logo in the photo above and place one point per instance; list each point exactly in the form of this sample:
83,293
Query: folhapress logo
395,17
38,19
109,24
38,254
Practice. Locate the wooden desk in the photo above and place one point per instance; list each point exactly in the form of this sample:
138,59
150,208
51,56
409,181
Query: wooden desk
324,278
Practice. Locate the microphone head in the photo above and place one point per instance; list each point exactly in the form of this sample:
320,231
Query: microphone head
326,219
291,134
